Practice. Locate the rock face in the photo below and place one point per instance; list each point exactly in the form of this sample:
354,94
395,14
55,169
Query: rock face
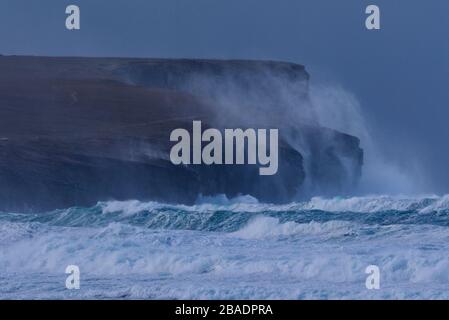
74,131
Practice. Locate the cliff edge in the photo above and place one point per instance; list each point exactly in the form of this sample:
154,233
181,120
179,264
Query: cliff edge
74,131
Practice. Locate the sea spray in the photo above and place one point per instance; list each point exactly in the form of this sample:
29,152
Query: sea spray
227,249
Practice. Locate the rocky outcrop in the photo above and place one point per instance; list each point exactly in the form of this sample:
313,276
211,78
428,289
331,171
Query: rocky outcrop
74,131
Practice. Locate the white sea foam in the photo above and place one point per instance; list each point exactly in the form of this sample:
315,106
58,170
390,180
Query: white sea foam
266,256
370,204
365,204
264,259
441,204
203,204
268,227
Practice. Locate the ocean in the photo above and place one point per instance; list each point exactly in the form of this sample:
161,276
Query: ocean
230,249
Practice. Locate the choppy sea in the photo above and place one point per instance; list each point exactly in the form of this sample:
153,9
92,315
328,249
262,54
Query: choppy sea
230,249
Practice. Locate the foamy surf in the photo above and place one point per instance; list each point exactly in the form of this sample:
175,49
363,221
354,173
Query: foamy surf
230,249
365,204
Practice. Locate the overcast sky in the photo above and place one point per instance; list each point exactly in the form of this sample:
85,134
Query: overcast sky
400,74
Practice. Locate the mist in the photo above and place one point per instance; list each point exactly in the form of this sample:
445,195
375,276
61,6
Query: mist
338,109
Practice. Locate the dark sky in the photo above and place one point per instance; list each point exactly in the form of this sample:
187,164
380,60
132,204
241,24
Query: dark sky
399,74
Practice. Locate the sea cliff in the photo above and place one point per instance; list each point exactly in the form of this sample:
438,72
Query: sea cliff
74,131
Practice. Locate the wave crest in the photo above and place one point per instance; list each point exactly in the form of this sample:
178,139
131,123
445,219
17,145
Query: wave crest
269,227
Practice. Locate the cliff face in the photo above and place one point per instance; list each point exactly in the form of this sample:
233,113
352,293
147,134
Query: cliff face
74,131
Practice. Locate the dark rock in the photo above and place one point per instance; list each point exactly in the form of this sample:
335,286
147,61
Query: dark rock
74,131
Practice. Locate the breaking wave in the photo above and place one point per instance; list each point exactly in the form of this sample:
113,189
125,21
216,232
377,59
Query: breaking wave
222,214
225,248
